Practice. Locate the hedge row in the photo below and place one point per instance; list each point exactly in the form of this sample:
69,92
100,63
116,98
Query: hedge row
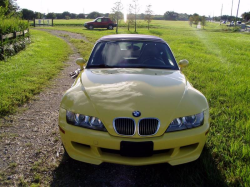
11,25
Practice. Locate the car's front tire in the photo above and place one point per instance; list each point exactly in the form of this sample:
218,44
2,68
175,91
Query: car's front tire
66,155
110,27
91,27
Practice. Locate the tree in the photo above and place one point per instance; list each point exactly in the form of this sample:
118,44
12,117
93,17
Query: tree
117,12
203,21
64,14
130,17
148,14
191,19
10,7
38,15
51,15
142,16
81,16
135,9
183,17
59,16
93,15
246,16
170,15
28,14
106,15
196,18
73,16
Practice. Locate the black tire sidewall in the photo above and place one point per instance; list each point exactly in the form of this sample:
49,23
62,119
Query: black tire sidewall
110,27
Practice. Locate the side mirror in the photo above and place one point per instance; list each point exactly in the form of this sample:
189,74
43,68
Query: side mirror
183,63
80,62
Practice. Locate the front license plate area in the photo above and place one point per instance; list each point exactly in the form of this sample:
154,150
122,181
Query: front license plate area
136,149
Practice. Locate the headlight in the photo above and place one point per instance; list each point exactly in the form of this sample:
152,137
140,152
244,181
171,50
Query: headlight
81,120
186,122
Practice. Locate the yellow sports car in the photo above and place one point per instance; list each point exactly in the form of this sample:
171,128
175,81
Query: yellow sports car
130,104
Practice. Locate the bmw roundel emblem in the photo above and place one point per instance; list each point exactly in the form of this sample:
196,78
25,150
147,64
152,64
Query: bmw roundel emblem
136,113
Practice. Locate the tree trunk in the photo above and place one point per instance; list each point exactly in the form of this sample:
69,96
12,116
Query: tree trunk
128,25
117,25
148,25
135,22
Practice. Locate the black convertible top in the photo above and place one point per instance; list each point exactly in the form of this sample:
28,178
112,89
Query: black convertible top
130,37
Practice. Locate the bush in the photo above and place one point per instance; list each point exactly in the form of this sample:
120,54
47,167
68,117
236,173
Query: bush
11,25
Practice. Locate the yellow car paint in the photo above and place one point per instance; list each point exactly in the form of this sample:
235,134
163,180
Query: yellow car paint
86,145
111,93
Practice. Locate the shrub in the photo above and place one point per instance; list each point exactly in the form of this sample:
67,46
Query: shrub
11,25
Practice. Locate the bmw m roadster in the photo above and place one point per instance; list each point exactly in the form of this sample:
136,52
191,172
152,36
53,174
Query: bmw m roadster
131,104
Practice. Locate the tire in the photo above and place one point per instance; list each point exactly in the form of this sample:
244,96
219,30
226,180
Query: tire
110,27
91,27
66,155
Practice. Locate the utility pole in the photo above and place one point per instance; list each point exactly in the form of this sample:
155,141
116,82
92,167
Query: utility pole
232,8
221,13
237,12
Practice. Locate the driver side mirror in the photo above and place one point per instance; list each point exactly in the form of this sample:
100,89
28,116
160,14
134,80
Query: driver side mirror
183,63
81,62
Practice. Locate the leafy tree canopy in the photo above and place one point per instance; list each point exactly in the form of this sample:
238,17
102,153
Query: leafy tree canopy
93,15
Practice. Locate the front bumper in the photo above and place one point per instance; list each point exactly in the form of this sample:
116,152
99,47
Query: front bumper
95,147
85,25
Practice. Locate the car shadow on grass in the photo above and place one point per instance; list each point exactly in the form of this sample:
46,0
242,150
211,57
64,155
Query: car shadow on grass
202,172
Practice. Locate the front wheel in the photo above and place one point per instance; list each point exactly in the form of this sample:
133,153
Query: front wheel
110,27
91,27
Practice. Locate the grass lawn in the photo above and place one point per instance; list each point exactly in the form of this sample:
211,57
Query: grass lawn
71,21
29,71
219,68
140,23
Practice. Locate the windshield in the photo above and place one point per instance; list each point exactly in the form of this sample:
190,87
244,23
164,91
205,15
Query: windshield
132,54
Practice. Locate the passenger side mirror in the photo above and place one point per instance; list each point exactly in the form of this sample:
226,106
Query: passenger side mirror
183,63
81,62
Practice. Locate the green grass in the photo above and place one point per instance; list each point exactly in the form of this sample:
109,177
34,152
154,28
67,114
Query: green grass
140,23
70,21
29,71
219,68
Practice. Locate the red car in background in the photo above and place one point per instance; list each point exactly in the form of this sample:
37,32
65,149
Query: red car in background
100,22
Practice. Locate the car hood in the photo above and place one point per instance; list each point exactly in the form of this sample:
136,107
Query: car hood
89,22
113,93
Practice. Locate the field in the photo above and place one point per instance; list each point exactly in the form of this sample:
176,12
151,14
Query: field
218,67
140,23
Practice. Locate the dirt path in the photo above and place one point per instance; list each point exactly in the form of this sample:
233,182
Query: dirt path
30,139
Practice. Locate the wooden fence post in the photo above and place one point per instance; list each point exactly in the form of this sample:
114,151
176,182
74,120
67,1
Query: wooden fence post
34,22
52,22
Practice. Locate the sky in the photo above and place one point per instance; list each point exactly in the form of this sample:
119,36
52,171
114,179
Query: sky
202,7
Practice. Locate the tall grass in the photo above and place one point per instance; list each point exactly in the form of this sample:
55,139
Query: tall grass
11,25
